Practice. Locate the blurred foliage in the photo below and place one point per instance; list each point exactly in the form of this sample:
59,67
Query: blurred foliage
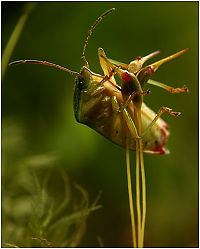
38,102
28,8
40,206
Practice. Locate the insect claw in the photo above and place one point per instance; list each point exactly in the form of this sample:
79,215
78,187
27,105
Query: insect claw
179,90
147,92
175,114
166,109
171,112
185,89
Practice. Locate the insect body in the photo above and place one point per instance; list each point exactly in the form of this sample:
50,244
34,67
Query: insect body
108,108
94,96
93,107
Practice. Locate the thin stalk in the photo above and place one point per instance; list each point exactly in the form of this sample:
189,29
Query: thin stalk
138,193
143,181
130,194
143,192
15,36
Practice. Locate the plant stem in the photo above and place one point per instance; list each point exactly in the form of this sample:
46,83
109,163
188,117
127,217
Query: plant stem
140,145
15,36
138,193
130,194
143,192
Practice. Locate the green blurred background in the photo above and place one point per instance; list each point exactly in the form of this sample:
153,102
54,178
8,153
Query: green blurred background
38,119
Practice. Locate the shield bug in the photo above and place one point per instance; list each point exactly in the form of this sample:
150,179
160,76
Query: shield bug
118,112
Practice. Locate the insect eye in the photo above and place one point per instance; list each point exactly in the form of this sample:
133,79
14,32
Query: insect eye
80,83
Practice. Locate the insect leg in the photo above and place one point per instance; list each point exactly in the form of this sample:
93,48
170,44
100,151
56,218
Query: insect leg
129,121
118,63
159,113
115,104
108,77
110,68
168,88
131,97
105,65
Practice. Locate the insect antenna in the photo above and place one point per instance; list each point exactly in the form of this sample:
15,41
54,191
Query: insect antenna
98,20
45,63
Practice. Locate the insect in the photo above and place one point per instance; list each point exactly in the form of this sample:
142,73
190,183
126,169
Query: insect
118,112
108,108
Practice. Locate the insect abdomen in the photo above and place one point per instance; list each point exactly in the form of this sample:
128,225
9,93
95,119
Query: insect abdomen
95,111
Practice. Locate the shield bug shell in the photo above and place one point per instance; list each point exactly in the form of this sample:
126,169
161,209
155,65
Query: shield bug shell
94,93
